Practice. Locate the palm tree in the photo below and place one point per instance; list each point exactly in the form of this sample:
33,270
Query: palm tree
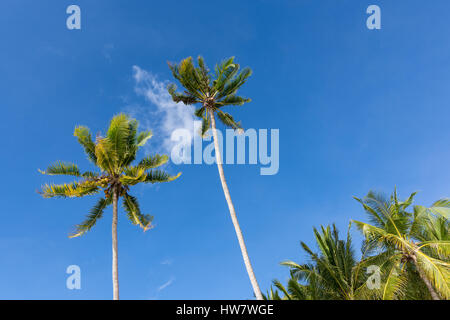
332,274
113,156
408,245
213,92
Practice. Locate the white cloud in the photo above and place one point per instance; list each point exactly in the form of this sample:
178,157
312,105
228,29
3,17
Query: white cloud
167,262
166,284
162,116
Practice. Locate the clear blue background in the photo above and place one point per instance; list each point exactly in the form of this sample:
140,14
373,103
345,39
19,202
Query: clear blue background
357,110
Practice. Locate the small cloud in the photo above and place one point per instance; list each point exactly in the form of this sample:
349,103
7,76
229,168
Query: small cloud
166,284
167,262
107,49
162,116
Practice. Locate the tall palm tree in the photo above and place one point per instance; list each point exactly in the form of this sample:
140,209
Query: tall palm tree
113,155
212,93
408,245
332,274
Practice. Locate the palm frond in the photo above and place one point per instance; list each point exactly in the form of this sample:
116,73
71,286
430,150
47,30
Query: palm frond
157,176
143,137
437,271
133,175
155,161
95,214
118,136
70,190
62,168
228,120
85,139
232,100
106,156
206,125
133,210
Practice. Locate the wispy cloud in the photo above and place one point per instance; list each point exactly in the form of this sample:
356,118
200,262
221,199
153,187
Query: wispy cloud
167,262
160,114
166,284
107,50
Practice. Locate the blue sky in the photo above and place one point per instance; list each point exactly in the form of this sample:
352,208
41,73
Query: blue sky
356,109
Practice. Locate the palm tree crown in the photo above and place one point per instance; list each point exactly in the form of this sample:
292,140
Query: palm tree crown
113,154
332,274
408,245
211,92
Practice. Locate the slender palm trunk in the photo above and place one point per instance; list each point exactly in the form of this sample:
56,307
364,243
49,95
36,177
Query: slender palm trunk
427,282
237,228
115,264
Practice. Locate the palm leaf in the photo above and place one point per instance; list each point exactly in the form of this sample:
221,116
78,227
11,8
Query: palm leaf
155,161
85,139
133,210
70,190
95,214
157,176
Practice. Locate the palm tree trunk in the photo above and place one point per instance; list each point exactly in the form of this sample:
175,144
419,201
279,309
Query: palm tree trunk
237,228
115,264
427,282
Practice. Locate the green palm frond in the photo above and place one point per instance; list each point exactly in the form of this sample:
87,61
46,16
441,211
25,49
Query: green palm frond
381,236
70,190
200,112
280,287
143,137
118,136
233,100
133,210
439,208
157,176
155,161
272,295
185,73
233,85
437,271
206,124
395,282
62,168
106,157
85,139
228,120
225,72
131,149
133,175
203,72
95,214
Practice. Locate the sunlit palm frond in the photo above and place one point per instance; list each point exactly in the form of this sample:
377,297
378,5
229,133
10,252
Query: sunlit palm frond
85,139
106,156
69,190
133,175
118,135
133,210
143,137
437,271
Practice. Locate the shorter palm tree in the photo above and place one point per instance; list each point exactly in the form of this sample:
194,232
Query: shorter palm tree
332,274
113,155
408,246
